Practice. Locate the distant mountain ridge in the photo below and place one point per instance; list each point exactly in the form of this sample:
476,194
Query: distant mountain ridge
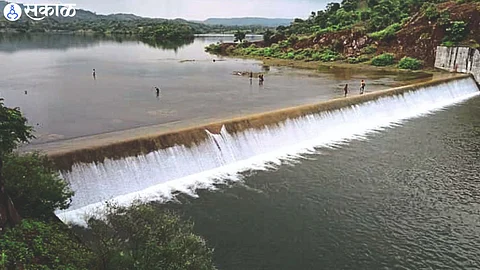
246,21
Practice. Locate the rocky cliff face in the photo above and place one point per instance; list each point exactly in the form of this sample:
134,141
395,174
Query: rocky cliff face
420,37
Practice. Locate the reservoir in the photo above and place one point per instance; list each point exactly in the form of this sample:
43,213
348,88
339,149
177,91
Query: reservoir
63,101
388,183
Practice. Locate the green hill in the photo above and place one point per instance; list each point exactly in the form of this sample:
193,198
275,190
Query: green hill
248,21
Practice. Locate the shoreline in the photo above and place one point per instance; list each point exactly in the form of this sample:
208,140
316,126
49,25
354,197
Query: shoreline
319,65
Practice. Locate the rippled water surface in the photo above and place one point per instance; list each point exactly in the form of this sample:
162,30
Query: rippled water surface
404,198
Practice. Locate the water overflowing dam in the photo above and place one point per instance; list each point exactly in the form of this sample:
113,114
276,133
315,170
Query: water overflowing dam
156,168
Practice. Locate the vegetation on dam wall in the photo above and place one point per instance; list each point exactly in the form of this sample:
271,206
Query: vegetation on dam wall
196,135
31,237
357,31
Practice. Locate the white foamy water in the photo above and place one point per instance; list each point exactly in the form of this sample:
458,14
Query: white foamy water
156,176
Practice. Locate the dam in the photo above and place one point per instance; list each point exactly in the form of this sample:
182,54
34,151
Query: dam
157,168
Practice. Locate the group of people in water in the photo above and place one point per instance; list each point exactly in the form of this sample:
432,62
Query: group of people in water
362,88
261,79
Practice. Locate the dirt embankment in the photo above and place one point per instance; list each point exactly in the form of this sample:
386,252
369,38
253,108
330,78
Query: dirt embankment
418,38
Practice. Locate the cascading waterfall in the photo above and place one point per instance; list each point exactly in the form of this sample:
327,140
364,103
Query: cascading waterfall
157,175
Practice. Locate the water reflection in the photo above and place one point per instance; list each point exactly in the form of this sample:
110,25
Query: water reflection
21,42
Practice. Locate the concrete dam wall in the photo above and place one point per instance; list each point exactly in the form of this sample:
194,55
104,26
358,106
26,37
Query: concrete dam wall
156,168
189,137
459,59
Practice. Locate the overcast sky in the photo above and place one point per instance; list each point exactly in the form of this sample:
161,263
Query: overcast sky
198,9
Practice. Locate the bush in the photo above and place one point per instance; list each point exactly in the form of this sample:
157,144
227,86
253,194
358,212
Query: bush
410,63
316,56
387,33
230,49
34,185
299,57
456,31
213,48
39,245
369,49
142,237
356,60
430,11
383,59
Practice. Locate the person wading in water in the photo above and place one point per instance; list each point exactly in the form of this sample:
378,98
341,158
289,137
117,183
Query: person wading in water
362,87
94,74
251,77
260,79
345,89
158,91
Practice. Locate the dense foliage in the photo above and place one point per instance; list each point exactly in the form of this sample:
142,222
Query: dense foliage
358,30
13,128
387,33
142,237
139,237
34,185
42,245
385,59
410,63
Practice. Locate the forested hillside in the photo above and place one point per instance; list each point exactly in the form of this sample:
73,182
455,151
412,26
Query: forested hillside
380,32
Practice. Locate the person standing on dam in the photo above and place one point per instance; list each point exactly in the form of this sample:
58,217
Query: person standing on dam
362,87
345,89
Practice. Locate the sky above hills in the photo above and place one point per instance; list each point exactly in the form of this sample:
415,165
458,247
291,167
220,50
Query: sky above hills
198,9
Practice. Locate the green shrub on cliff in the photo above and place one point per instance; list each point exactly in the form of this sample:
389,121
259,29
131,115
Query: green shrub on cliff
356,60
385,59
430,10
455,31
387,33
410,63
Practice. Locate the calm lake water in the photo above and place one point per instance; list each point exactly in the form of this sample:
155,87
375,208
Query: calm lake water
64,101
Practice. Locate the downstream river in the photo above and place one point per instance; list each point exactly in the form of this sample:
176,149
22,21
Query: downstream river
407,197
64,101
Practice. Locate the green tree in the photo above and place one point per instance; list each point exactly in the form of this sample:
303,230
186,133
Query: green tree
143,238
39,245
239,36
267,37
13,130
455,31
384,14
34,185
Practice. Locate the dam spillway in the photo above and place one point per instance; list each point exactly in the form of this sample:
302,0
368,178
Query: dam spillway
221,156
